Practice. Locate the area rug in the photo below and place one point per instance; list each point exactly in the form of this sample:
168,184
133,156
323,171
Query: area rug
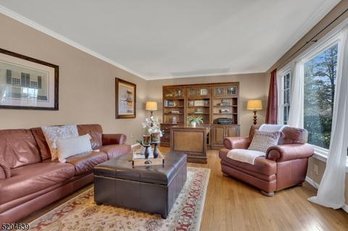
81,212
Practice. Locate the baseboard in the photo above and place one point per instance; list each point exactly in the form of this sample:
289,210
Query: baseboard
345,208
312,182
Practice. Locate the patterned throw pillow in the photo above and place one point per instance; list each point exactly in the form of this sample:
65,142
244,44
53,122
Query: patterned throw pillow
53,133
263,140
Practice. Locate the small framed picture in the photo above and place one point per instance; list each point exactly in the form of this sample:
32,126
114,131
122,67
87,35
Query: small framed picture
125,93
27,83
231,90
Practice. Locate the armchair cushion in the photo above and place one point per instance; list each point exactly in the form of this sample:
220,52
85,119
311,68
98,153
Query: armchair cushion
263,140
244,155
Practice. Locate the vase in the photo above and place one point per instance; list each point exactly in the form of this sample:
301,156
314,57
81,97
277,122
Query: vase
193,124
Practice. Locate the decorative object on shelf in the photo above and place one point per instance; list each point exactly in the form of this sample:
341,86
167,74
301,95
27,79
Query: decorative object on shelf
27,83
254,105
194,120
151,106
125,99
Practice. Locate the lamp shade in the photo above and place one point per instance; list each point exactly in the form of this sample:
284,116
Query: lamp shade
254,105
151,106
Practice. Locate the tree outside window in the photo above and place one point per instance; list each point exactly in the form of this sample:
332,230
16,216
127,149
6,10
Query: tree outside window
319,93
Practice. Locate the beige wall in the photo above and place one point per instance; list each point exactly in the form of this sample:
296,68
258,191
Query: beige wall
86,84
252,86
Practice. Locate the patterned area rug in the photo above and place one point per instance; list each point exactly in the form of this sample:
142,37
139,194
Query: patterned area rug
81,213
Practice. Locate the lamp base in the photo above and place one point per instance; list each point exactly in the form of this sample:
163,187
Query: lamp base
255,118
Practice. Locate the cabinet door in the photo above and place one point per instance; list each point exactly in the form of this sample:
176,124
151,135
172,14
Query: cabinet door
231,131
218,135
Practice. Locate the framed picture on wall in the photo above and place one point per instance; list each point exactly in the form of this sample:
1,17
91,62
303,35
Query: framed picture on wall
27,83
125,93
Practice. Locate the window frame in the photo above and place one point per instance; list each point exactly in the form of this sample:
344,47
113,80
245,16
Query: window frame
280,79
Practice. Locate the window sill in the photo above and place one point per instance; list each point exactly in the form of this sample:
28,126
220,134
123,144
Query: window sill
321,156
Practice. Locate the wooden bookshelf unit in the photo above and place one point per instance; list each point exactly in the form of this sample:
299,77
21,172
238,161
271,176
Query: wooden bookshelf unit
214,102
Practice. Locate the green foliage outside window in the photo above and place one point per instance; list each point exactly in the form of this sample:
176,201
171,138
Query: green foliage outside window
319,92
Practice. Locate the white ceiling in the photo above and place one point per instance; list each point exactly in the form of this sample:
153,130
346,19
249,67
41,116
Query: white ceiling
167,39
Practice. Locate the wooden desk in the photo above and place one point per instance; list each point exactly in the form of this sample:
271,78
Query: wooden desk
190,140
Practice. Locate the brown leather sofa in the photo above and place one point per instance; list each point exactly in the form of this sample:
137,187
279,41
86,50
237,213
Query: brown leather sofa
29,180
284,165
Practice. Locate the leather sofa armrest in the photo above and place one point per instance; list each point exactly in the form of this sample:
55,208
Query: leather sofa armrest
286,152
108,139
237,142
5,171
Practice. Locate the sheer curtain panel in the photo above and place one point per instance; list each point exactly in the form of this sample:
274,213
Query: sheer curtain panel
331,188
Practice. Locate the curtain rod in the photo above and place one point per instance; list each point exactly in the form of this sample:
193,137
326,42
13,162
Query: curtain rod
312,40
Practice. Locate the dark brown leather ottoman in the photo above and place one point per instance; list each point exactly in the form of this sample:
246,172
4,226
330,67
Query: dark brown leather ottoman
151,189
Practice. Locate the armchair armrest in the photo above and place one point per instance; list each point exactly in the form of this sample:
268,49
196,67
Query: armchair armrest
286,152
108,139
237,142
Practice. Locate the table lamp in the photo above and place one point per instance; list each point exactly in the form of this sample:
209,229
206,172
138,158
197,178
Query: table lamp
254,105
151,106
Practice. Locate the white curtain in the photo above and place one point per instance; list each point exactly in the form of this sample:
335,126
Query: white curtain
331,188
297,94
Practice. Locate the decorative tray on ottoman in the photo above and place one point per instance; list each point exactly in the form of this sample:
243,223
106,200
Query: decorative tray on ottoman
140,160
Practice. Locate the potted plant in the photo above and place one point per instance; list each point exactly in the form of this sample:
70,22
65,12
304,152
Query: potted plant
195,120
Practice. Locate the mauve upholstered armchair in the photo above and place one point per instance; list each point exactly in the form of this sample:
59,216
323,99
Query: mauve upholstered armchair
285,164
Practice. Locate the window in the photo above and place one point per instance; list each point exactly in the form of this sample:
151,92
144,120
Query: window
284,97
319,92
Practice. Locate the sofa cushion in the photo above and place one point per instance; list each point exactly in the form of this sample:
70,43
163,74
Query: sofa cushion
85,162
95,131
18,147
263,140
45,152
73,145
53,133
5,171
32,178
116,150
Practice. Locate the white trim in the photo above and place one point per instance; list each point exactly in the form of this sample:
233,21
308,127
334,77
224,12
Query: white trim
64,39
205,75
312,182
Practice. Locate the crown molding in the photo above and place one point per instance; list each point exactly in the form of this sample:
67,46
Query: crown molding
207,75
64,39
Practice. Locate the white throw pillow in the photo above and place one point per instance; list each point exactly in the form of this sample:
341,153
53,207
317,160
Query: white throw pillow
72,146
53,133
263,140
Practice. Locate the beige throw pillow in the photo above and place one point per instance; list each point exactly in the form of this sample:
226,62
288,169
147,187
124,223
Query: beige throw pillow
263,140
53,133
73,145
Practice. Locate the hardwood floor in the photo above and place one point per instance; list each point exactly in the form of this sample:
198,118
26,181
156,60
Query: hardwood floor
233,205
